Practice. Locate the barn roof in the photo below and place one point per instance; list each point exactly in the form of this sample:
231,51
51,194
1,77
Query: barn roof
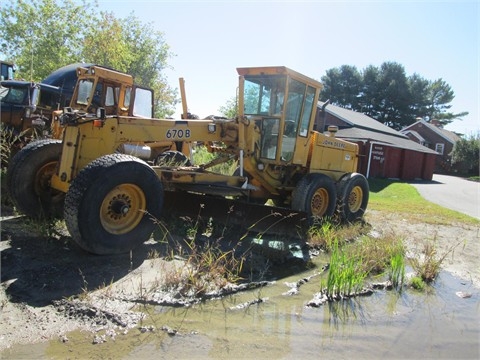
450,136
360,127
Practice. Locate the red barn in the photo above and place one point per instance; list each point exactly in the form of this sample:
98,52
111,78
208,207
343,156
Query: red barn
384,152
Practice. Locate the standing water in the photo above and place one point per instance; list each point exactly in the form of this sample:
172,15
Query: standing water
269,323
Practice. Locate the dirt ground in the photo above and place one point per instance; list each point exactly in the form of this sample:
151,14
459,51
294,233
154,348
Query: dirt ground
50,287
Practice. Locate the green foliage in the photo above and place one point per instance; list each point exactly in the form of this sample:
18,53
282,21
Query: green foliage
467,152
342,85
230,109
417,283
377,254
207,267
386,94
328,234
108,36
345,274
44,35
202,156
397,270
40,36
427,266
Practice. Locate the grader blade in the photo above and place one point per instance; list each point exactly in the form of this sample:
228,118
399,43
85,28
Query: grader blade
255,218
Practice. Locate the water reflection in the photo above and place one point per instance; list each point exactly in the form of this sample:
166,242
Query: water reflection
265,323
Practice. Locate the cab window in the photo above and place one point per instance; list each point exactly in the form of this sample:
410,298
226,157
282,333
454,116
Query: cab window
84,91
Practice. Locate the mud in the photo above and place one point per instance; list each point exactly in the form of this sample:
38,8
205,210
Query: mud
49,287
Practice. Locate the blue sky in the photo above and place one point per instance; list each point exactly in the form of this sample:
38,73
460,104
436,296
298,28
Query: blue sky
210,39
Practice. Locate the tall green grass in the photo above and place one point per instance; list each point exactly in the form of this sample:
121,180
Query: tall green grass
345,275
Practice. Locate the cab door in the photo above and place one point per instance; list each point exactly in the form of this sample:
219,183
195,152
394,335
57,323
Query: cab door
298,114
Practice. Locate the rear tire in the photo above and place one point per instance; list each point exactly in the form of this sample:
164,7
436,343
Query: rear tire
172,158
28,180
353,194
112,204
315,195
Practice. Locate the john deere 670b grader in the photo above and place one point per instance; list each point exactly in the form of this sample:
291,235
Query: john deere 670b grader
109,173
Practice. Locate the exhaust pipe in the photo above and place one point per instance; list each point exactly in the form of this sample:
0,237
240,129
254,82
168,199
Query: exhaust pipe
140,151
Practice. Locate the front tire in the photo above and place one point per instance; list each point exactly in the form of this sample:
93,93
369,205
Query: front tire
353,194
28,180
112,204
315,195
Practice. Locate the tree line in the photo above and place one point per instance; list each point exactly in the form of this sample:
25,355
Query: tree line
40,36
387,94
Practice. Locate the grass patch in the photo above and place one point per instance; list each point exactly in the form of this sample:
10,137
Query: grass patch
351,262
402,198
327,235
377,252
206,265
345,274
427,263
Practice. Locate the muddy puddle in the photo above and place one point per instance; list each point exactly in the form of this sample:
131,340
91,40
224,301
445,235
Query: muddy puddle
266,323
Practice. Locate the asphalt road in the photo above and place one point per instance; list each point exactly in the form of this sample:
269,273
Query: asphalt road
452,193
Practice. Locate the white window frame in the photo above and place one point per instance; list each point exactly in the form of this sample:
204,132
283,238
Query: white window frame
440,148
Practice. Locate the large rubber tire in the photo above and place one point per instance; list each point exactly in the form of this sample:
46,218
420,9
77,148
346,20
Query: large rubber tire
315,195
28,180
172,158
353,194
112,204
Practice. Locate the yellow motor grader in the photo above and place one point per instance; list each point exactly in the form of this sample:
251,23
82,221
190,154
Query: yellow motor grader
108,175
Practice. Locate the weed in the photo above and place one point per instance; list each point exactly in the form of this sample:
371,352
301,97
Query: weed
84,294
202,155
153,254
325,235
428,264
345,275
273,214
206,266
377,253
397,270
417,283
46,228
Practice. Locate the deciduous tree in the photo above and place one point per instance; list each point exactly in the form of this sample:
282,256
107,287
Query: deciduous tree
40,36
44,35
467,152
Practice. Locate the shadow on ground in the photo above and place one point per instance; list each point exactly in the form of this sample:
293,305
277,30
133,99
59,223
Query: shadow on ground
38,270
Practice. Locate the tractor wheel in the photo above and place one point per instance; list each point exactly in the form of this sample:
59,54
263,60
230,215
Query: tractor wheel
112,204
28,180
353,193
315,195
172,158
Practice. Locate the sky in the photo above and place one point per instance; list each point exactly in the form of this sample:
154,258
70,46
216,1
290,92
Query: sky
210,39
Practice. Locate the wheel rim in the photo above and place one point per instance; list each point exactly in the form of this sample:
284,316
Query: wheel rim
43,177
319,203
355,199
122,209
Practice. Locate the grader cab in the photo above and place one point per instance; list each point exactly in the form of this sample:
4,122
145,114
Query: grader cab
103,178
